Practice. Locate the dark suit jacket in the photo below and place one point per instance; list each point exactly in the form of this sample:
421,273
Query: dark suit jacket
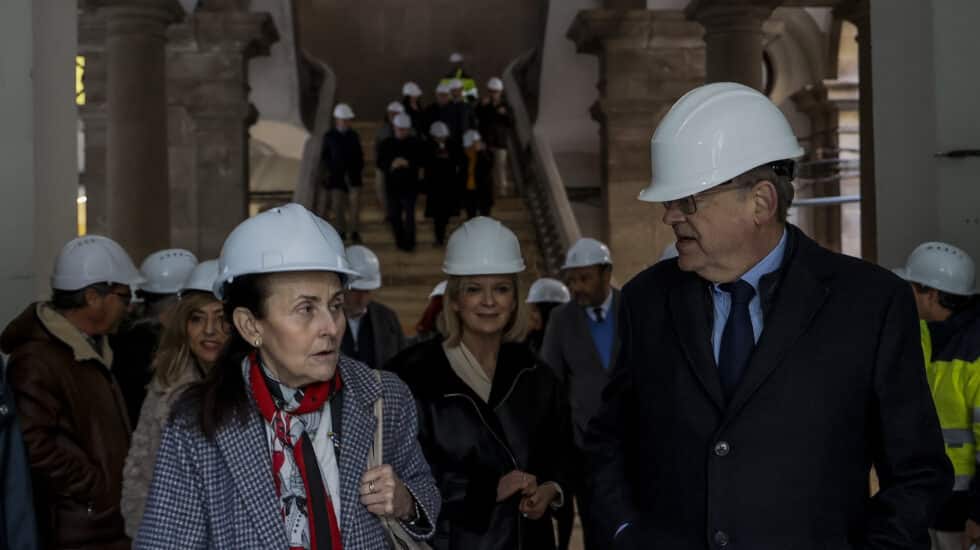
387,338
836,384
569,350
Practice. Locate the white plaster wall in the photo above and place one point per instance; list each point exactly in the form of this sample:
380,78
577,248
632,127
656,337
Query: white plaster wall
568,83
273,79
38,165
925,90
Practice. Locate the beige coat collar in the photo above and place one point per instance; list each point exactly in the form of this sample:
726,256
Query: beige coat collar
62,329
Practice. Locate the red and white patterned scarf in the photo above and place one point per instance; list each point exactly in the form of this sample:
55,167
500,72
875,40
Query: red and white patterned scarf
294,416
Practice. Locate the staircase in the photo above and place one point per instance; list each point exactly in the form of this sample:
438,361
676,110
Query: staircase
408,277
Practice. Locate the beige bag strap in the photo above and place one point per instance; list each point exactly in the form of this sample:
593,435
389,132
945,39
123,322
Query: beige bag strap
376,456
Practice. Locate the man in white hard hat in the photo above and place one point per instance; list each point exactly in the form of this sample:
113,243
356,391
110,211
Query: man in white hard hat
477,176
495,120
386,131
344,161
581,344
468,87
462,116
412,102
136,341
760,377
943,278
442,109
443,166
401,159
374,333
70,408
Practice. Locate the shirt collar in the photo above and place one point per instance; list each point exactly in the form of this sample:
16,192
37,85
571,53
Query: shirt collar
767,265
606,306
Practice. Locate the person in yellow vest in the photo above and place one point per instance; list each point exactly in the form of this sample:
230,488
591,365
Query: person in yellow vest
470,90
943,278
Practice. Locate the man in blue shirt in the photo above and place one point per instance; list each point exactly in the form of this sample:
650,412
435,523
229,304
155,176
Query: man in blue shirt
760,376
580,344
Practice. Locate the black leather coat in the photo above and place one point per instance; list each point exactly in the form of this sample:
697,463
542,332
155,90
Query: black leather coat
471,444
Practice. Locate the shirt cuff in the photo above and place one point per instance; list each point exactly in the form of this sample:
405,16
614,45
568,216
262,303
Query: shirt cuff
560,499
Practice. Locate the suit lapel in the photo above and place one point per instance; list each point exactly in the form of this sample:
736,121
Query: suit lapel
614,315
688,306
585,336
361,390
799,298
246,453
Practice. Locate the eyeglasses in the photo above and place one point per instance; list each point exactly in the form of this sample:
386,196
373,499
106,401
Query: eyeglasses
125,297
689,205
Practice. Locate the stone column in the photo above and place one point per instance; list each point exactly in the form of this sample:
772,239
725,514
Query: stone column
647,60
859,13
822,223
209,102
734,37
138,201
91,45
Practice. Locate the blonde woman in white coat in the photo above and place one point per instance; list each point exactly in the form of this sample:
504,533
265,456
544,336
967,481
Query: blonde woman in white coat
188,349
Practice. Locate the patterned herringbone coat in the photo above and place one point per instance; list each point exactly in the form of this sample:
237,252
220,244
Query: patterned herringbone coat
220,494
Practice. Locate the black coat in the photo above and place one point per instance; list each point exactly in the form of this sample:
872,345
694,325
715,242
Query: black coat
17,530
443,166
343,158
836,384
401,181
494,124
471,444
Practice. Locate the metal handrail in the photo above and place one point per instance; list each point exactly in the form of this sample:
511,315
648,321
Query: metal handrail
540,181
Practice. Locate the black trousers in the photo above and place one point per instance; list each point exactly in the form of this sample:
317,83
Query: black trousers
401,214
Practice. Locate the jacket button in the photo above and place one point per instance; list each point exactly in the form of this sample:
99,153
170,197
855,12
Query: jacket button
90,509
721,538
4,410
722,448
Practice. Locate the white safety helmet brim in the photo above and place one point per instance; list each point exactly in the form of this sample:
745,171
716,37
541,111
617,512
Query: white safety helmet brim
166,270
713,134
284,239
402,121
942,266
93,259
367,265
202,279
483,246
546,289
587,252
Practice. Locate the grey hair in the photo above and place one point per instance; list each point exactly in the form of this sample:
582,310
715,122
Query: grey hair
781,176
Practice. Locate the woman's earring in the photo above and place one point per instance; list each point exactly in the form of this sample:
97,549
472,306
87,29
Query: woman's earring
258,342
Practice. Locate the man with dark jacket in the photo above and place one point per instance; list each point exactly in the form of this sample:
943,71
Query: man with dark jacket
943,280
344,162
70,408
374,334
401,158
760,376
18,530
495,120
580,345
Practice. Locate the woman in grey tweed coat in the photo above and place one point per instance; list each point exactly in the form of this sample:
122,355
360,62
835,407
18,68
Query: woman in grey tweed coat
271,450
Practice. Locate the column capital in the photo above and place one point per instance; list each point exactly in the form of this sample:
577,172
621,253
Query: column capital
731,13
602,29
249,33
139,17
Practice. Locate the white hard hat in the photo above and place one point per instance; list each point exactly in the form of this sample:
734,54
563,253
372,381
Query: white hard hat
455,84
439,129
546,289
403,121
669,252
166,270
586,252
396,107
941,266
470,137
411,89
90,260
712,134
483,246
366,264
343,111
495,84
438,290
443,88
456,57
286,238
202,278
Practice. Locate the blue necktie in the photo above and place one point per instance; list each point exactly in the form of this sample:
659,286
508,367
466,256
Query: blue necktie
737,340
